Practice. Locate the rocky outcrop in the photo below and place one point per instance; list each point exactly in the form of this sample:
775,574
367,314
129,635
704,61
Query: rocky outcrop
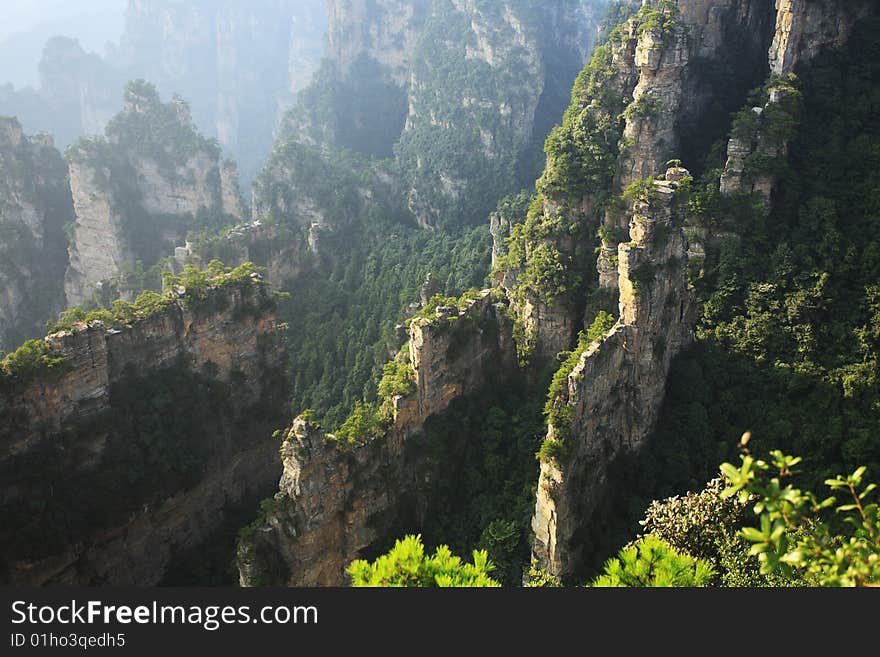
653,92
803,30
614,392
139,190
283,252
438,80
385,32
35,206
805,27
99,490
336,500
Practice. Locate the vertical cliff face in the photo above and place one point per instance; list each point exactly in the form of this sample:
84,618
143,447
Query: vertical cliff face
613,394
437,79
241,64
488,80
137,192
802,31
35,206
384,32
138,439
337,499
804,28
653,92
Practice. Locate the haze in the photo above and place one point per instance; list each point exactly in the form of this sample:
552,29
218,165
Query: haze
28,24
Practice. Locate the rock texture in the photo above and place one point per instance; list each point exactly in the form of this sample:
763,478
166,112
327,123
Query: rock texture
804,27
139,190
63,434
35,205
615,390
438,79
334,501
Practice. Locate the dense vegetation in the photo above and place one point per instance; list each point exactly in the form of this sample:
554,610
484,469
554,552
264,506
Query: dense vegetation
480,490
705,538
787,342
791,304
342,321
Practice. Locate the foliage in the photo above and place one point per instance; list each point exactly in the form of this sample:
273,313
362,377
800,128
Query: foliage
538,578
552,247
343,313
556,408
789,300
365,423
196,286
193,288
644,107
455,131
398,377
706,525
31,358
651,562
479,477
659,17
407,565
832,551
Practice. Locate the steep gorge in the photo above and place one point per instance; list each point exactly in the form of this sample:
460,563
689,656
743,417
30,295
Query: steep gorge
661,87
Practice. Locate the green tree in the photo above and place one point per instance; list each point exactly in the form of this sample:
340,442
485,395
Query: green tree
651,562
407,565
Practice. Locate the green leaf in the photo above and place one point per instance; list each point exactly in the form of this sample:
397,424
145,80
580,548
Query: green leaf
754,535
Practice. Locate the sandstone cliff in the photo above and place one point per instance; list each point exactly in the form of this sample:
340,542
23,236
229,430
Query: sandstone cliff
139,190
437,80
140,438
338,499
35,205
612,396
614,392
653,92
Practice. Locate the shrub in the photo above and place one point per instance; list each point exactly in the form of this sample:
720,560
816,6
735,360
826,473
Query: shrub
651,562
407,565
31,358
